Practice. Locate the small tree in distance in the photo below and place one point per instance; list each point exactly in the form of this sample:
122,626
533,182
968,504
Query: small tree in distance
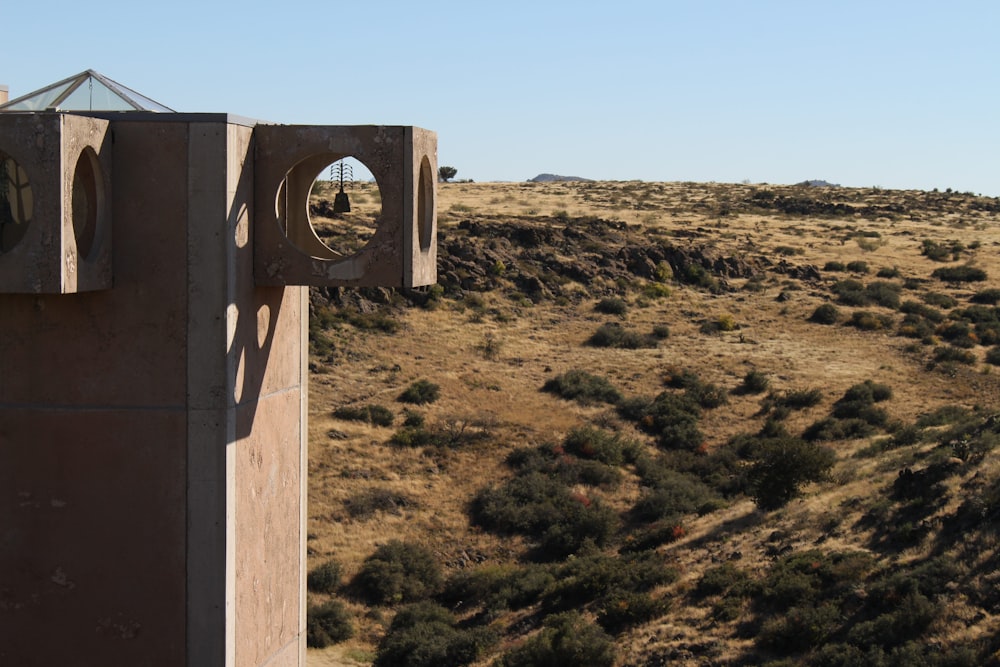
447,173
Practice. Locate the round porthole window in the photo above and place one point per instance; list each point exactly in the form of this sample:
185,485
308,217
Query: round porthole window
88,201
342,205
16,202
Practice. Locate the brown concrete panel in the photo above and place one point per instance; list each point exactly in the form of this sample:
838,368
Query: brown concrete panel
92,508
269,535
124,346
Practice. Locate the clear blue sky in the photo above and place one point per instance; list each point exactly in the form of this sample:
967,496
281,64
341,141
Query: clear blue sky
899,94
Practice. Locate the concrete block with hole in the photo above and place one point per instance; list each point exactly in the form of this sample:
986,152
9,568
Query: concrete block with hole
55,218
153,435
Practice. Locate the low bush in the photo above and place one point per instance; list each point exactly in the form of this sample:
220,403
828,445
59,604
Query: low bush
939,300
498,587
825,313
947,353
869,321
328,623
888,272
398,572
959,274
427,635
831,428
583,387
566,640
611,305
544,508
613,449
324,578
615,335
377,415
623,611
989,297
781,466
858,266
834,266
923,310
420,392
795,399
754,382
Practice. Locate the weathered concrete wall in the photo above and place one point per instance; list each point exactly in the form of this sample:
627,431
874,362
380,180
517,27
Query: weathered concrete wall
152,436
153,429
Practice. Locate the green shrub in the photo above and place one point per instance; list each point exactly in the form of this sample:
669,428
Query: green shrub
989,297
721,579
420,393
858,266
324,578
427,635
661,332
923,310
946,414
673,419
800,629
412,419
934,251
498,587
373,414
888,272
754,382
566,640
884,293
611,305
615,335
683,494
328,623
833,266
939,300
993,356
947,353
781,466
398,572
583,387
545,508
626,610
869,321
612,449
796,399
825,313
959,274
833,428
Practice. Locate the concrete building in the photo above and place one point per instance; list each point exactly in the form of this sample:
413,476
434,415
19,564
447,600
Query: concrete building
153,372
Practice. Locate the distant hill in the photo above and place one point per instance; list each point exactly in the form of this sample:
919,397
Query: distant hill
549,178
818,184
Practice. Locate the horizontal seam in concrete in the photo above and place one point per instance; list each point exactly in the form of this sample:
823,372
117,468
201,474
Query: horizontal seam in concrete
264,397
49,407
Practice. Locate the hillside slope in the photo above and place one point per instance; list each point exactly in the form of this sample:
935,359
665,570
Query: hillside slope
637,389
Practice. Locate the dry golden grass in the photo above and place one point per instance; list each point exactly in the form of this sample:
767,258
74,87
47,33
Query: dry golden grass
530,343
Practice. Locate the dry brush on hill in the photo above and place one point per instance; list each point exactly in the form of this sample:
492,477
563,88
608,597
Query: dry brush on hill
668,423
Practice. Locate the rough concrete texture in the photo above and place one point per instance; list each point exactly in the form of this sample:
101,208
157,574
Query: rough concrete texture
153,429
65,245
403,161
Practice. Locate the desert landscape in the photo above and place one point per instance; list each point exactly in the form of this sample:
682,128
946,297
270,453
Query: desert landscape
662,424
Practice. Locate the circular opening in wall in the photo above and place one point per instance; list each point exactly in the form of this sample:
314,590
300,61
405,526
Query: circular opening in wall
425,205
88,201
329,206
16,202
